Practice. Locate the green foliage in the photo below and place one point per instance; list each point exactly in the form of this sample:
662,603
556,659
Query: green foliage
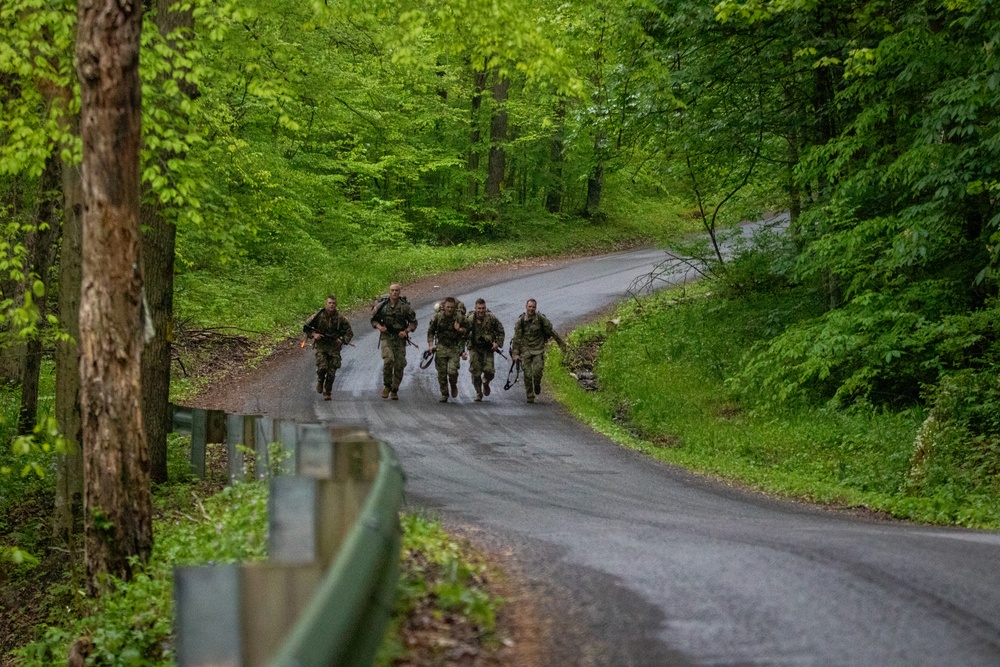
956,455
663,377
132,624
439,574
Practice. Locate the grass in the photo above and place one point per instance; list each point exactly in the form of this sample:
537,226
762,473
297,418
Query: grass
273,298
443,592
662,376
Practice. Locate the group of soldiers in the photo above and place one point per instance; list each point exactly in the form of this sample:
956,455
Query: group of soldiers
452,336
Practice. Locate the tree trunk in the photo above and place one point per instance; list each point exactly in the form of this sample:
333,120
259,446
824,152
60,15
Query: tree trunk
69,484
475,136
158,281
498,137
40,244
554,193
595,183
117,507
158,242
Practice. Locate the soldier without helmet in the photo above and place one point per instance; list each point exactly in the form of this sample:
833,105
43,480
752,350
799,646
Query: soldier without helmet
329,331
395,319
446,336
486,336
531,333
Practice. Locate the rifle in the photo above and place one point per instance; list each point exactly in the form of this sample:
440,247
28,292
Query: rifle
516,365
427,357
324,336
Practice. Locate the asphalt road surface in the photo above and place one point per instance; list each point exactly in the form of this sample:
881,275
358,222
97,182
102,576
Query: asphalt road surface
641,563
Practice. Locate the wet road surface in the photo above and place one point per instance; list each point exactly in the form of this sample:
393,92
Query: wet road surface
643,563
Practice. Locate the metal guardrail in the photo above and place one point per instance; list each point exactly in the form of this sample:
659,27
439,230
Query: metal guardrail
362,579
325,595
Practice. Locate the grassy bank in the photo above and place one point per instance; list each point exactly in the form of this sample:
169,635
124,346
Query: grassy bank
662,374
272,294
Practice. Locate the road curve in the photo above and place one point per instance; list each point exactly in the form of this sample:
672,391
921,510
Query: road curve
645,563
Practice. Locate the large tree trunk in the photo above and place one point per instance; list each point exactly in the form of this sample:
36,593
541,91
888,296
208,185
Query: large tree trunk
69,485
40,244
158,242
158,280
498,137
117,508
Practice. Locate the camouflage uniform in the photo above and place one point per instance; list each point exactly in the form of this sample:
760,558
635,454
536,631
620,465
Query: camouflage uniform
482,335
530,337
395,319
450,346
335,332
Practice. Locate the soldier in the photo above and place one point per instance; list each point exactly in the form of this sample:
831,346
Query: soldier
486,336
531,332
446,336
394,317
329,331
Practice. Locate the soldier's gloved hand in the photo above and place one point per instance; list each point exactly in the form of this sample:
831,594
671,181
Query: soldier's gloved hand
404,333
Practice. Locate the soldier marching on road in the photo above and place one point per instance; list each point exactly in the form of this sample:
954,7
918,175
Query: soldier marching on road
329,331
486,336
395,319
531,333
446,336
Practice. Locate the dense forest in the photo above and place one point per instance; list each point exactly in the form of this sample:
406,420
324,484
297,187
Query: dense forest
292,149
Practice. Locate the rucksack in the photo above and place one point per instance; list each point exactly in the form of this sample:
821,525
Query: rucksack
381,301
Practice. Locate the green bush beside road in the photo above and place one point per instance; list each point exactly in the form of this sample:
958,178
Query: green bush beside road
668,378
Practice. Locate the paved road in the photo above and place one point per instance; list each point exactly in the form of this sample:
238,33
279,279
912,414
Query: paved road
643,563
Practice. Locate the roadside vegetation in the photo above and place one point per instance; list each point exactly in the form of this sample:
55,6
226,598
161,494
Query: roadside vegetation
678,375
290,150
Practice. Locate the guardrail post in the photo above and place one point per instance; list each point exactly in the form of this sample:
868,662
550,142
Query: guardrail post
286,433
207,615
263,437
199,429
240,431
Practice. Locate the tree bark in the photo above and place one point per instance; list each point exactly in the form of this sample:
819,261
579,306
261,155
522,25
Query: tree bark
475,136
40,244
554,193
117,507
595,182
497,165
158,242
69,484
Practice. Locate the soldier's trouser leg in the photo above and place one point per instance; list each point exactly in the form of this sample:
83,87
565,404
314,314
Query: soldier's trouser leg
532,365
331,359
487,372
322,368
394,358
441,365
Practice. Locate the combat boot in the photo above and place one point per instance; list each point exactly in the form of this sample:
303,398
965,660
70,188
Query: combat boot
385,392
394,395
327,396
477,384
538,386
320,377
453,379
486,387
